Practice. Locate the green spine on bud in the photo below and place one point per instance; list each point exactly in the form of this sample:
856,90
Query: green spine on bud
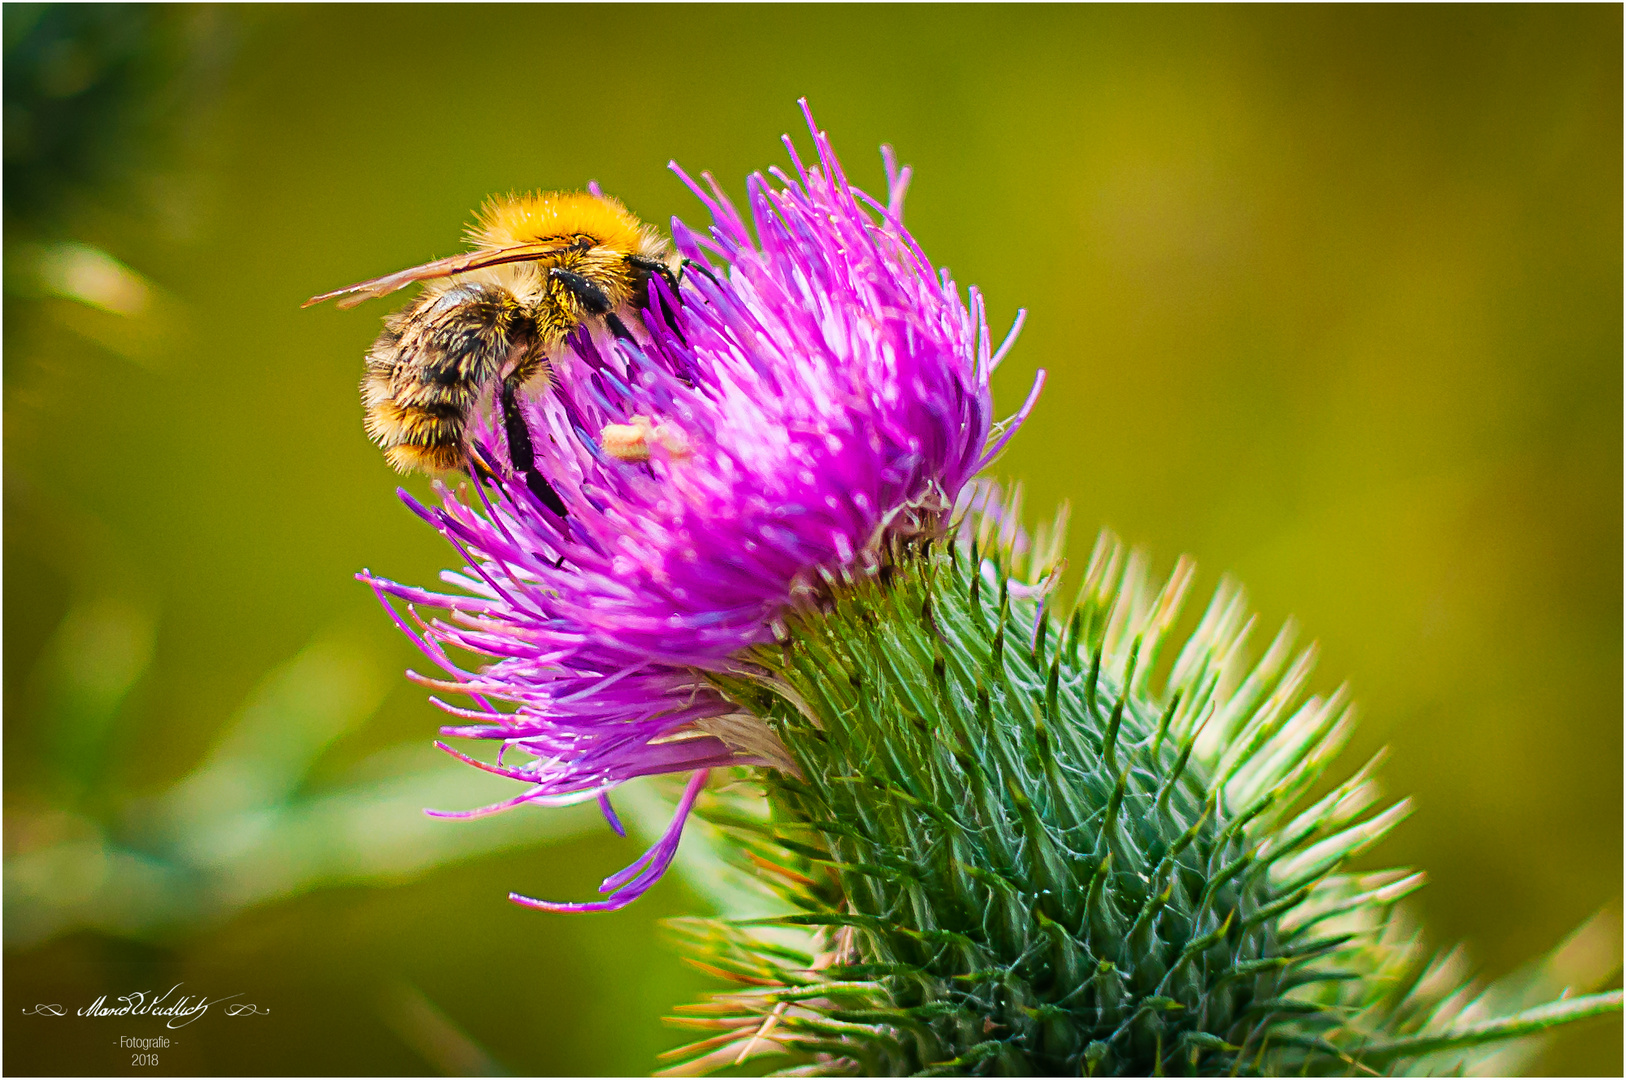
1011,856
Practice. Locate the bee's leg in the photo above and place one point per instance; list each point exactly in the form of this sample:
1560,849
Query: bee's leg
480,467
655,266
523,454
700,266
592,298
672,281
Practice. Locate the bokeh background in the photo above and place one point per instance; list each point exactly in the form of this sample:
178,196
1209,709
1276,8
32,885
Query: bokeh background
1330,298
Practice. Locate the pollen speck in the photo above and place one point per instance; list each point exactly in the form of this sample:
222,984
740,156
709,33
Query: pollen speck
631,442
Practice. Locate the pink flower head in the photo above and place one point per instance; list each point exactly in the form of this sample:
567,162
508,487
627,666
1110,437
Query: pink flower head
814,394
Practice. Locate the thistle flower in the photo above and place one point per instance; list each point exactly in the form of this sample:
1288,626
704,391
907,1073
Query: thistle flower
1007,843
819,398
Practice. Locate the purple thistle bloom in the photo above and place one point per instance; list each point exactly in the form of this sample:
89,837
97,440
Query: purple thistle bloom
820,393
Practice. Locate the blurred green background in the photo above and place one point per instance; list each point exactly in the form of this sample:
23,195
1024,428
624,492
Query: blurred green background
1330,298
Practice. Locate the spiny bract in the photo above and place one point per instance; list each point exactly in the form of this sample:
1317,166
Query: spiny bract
1010,854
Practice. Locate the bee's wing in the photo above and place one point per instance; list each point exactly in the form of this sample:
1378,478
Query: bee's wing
473,260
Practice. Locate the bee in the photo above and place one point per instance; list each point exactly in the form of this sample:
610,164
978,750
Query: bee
489,319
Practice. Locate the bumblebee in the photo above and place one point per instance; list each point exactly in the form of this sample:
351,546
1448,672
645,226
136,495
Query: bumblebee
541,266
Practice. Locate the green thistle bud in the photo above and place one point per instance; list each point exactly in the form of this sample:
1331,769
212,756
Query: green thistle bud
1008,847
